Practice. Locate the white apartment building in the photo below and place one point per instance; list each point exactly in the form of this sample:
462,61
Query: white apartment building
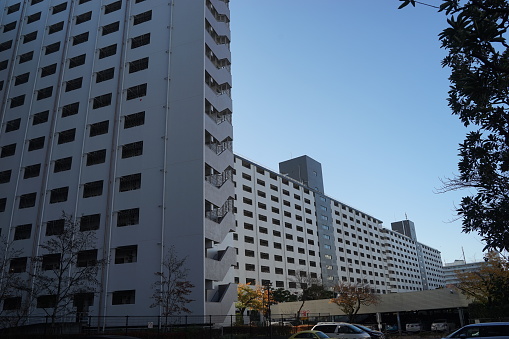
288,230
451,269
119,113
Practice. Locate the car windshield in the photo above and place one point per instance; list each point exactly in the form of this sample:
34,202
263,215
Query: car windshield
363,328
355,329
321,335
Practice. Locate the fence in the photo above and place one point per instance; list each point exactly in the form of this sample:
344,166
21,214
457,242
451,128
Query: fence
206,326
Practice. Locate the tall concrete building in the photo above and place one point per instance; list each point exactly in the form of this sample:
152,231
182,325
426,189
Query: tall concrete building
119,114
289,232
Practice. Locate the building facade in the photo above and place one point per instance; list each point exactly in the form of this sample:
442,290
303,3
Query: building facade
118,113
289,232
451,269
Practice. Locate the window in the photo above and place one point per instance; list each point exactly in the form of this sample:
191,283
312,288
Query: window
46,301
93,189
66,136
63,164
80,38
58,195
250,267
21,79
132,150
32,171
34,17
48,70
3,203
17,101
70,109
96,157
12,125
142,17
55,227
60,8
139,41
3,65
83,17
114,6
104,75
84,298
18,265
123,297
8,150
77,61
52,48
130,182
128,217
86,258
249,253
22,232
44,93
133,120
138,65
27,200
107,51
99,128
10,26
73,84
102,101
126,254
83,1
36,2
11,304
35,144
51,262
13,8
137,91
5,45
90,222
55,27
111,28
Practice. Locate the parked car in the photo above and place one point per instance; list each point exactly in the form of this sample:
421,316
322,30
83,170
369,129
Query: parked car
413,327
372,333
497,330
309,334
341,330
281,323
441,325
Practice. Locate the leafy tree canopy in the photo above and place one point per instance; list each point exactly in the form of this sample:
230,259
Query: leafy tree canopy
281,295
478,58
488,287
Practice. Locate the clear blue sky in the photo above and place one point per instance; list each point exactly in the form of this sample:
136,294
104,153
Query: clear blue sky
358,86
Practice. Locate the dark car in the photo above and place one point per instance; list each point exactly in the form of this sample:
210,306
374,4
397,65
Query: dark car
498,330
372,333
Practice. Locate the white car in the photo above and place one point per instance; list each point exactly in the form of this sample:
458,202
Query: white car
413,327
341,330
441,325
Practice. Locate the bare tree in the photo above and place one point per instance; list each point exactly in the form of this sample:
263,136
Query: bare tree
64,276
349,297
311,289
172,288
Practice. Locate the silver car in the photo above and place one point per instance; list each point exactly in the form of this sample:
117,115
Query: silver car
341,330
